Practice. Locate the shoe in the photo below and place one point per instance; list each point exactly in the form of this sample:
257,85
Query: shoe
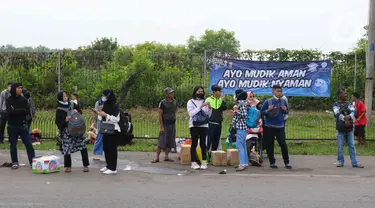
339,165
195,166
358,166
95,157
288,166
86,169
110,172
68,170
273,166
103,169
15,166
240,168
204,165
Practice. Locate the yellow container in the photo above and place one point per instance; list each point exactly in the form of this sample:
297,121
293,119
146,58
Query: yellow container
199,154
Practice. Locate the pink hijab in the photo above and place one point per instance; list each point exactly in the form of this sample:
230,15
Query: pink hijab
251,100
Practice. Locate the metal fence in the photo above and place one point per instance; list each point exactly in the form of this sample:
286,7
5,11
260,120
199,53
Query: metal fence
88,73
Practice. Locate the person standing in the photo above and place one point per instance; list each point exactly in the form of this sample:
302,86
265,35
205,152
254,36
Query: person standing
239,117
360,120
68,144
110,115
98,145
75,101
198,131
274,110
217,106
344,115
3,112
167,120
17,108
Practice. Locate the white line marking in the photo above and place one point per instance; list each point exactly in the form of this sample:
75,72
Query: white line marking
280,175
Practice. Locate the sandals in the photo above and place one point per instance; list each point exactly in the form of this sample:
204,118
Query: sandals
155,161
168,160
68,170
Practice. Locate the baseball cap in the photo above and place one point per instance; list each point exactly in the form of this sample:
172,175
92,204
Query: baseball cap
168,90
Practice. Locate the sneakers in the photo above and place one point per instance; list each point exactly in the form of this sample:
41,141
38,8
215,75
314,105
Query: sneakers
204,165
288,166
273,166
110,172
103,169
194,166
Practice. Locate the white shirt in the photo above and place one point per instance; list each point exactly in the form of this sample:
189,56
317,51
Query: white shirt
113,120
194,109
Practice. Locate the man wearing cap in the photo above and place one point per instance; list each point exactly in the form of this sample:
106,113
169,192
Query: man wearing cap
167,120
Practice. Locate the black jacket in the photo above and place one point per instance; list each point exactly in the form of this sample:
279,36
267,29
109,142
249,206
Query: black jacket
17,108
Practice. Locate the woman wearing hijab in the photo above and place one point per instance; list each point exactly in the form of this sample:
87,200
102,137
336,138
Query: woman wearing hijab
110,114
32,113
68,144
253,101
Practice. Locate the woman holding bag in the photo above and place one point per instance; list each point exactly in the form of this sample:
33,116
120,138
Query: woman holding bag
198,124
111,131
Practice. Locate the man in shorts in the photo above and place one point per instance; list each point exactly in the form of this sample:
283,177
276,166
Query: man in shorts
167,120
360,120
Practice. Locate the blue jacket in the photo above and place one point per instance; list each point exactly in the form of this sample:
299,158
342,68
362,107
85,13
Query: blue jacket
278,121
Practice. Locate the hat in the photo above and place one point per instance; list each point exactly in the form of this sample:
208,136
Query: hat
168,90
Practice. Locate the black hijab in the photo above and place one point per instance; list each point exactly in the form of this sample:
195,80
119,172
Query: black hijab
13,89
110,106
60,97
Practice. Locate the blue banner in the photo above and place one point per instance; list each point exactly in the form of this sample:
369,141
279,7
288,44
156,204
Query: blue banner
307,79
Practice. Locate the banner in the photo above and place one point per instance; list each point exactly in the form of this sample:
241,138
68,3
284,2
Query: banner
307,79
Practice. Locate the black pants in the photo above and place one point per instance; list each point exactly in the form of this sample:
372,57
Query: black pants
269,135
3,123
198,133
29,124
110,143
214,133
85,159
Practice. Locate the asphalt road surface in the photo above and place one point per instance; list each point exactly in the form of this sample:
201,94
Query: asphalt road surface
182,188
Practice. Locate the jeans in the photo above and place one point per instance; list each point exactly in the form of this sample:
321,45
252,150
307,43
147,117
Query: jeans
340,145
241,146
23,132
269,135
214,133
3,123
198,133
98,145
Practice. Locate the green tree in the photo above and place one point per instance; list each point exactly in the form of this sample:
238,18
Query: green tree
218,43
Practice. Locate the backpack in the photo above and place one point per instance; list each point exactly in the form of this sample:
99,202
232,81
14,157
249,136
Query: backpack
275,112
77,124
340,124
253,116
125,123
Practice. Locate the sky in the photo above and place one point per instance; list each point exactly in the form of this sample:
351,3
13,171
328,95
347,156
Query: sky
327,25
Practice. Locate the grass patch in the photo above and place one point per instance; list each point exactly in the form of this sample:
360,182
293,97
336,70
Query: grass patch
306,148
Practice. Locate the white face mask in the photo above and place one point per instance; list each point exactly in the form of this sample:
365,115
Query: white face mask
9,88
104,98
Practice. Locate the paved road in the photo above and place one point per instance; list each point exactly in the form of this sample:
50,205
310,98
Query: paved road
161,186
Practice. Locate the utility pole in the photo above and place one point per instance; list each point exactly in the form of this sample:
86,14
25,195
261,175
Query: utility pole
355,70
370,62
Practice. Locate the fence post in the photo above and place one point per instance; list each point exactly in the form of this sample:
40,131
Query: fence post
58,70
355,70
204,68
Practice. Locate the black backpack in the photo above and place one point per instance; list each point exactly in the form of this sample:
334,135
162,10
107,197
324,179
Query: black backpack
126,127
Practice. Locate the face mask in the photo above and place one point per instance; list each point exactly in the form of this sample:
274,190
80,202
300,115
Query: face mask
63,103
201,96
275,97
9,88
104,98
234,98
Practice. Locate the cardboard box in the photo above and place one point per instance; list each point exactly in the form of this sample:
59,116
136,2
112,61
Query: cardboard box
46,164
219,158
185,158
233,157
